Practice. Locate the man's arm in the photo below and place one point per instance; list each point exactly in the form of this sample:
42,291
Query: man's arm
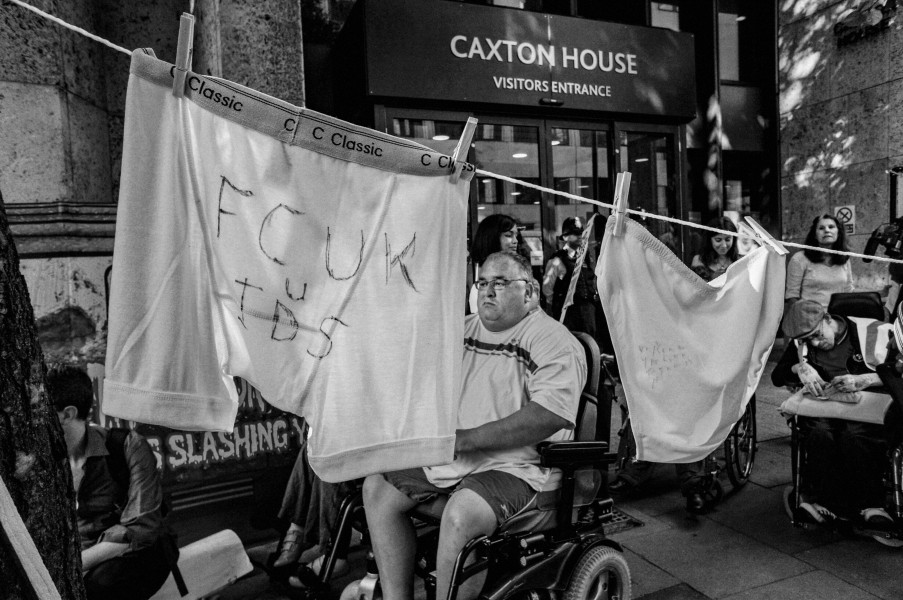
141,522
529,425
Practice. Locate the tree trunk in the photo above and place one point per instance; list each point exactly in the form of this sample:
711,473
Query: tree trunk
33,461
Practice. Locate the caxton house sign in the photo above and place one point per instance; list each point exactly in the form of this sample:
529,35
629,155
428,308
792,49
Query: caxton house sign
452,51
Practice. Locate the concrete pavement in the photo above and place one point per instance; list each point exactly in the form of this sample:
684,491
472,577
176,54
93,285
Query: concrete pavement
745,549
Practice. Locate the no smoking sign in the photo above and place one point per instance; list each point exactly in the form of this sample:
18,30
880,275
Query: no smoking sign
846,215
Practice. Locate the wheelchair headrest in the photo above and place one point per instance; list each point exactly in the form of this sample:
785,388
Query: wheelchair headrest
864,305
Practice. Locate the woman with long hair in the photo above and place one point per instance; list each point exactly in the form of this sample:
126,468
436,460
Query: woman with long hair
814,275
718,250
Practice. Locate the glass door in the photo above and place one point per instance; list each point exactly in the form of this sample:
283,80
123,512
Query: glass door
512,150
651,158
580,165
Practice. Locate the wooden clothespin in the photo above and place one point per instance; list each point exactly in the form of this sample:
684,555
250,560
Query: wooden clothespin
184,50
622,188
459,156
766,237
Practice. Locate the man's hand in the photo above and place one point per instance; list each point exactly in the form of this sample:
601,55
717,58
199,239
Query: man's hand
811,380
853,383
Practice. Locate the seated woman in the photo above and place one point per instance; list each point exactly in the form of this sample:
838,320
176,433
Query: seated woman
845,459
311,506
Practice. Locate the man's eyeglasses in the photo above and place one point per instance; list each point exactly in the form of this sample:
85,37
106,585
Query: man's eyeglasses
497,284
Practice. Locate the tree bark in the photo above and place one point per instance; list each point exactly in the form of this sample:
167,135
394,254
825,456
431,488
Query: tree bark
33,462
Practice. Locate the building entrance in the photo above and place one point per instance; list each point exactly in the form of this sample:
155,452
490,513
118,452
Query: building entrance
576,157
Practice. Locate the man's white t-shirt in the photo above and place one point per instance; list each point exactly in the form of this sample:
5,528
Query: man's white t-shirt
537,360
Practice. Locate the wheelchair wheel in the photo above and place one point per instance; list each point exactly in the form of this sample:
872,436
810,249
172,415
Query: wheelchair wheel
740,447
789,491
600,574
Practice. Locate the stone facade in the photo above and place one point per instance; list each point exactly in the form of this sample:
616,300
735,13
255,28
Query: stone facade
841,105
62,99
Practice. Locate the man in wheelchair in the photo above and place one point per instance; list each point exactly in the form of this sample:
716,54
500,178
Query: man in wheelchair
845,459
523,373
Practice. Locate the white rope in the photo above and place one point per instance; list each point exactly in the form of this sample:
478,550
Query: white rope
640,213
59,21
647,215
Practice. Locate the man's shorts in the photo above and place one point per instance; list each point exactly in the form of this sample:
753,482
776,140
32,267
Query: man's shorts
506,494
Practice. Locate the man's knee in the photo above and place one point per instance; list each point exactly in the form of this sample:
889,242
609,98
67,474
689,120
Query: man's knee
374,490
468,514
379,494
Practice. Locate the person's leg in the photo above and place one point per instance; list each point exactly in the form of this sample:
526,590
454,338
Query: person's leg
481,502
393,536
822,459
135,575
863,448
466,516
297,506
636,472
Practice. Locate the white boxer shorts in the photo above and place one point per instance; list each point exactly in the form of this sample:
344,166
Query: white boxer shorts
319,260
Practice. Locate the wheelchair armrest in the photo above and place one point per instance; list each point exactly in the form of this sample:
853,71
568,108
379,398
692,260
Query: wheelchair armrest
574,454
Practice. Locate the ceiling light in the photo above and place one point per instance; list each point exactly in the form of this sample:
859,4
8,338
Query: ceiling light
536,202
515,193
555,142
519,155
440,138
641,160
481,208
741,18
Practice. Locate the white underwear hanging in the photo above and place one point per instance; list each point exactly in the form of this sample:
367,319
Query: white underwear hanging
316,259
690,353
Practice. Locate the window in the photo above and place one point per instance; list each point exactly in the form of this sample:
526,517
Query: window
665,15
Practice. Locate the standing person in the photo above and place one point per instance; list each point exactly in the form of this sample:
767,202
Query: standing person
582,315
496,233
814,275
718,252
125,552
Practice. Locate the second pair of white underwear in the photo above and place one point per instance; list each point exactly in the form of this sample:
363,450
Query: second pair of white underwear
690,353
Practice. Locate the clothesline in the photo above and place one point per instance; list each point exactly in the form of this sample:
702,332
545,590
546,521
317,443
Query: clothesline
640,213
74,28
648,215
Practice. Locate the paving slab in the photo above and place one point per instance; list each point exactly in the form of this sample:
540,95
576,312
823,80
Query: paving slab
772,467
759,513
677,592
716,560
863,563
645,577
651,525
816,585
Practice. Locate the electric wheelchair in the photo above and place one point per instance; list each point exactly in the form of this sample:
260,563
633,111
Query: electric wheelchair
863,305
557,548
